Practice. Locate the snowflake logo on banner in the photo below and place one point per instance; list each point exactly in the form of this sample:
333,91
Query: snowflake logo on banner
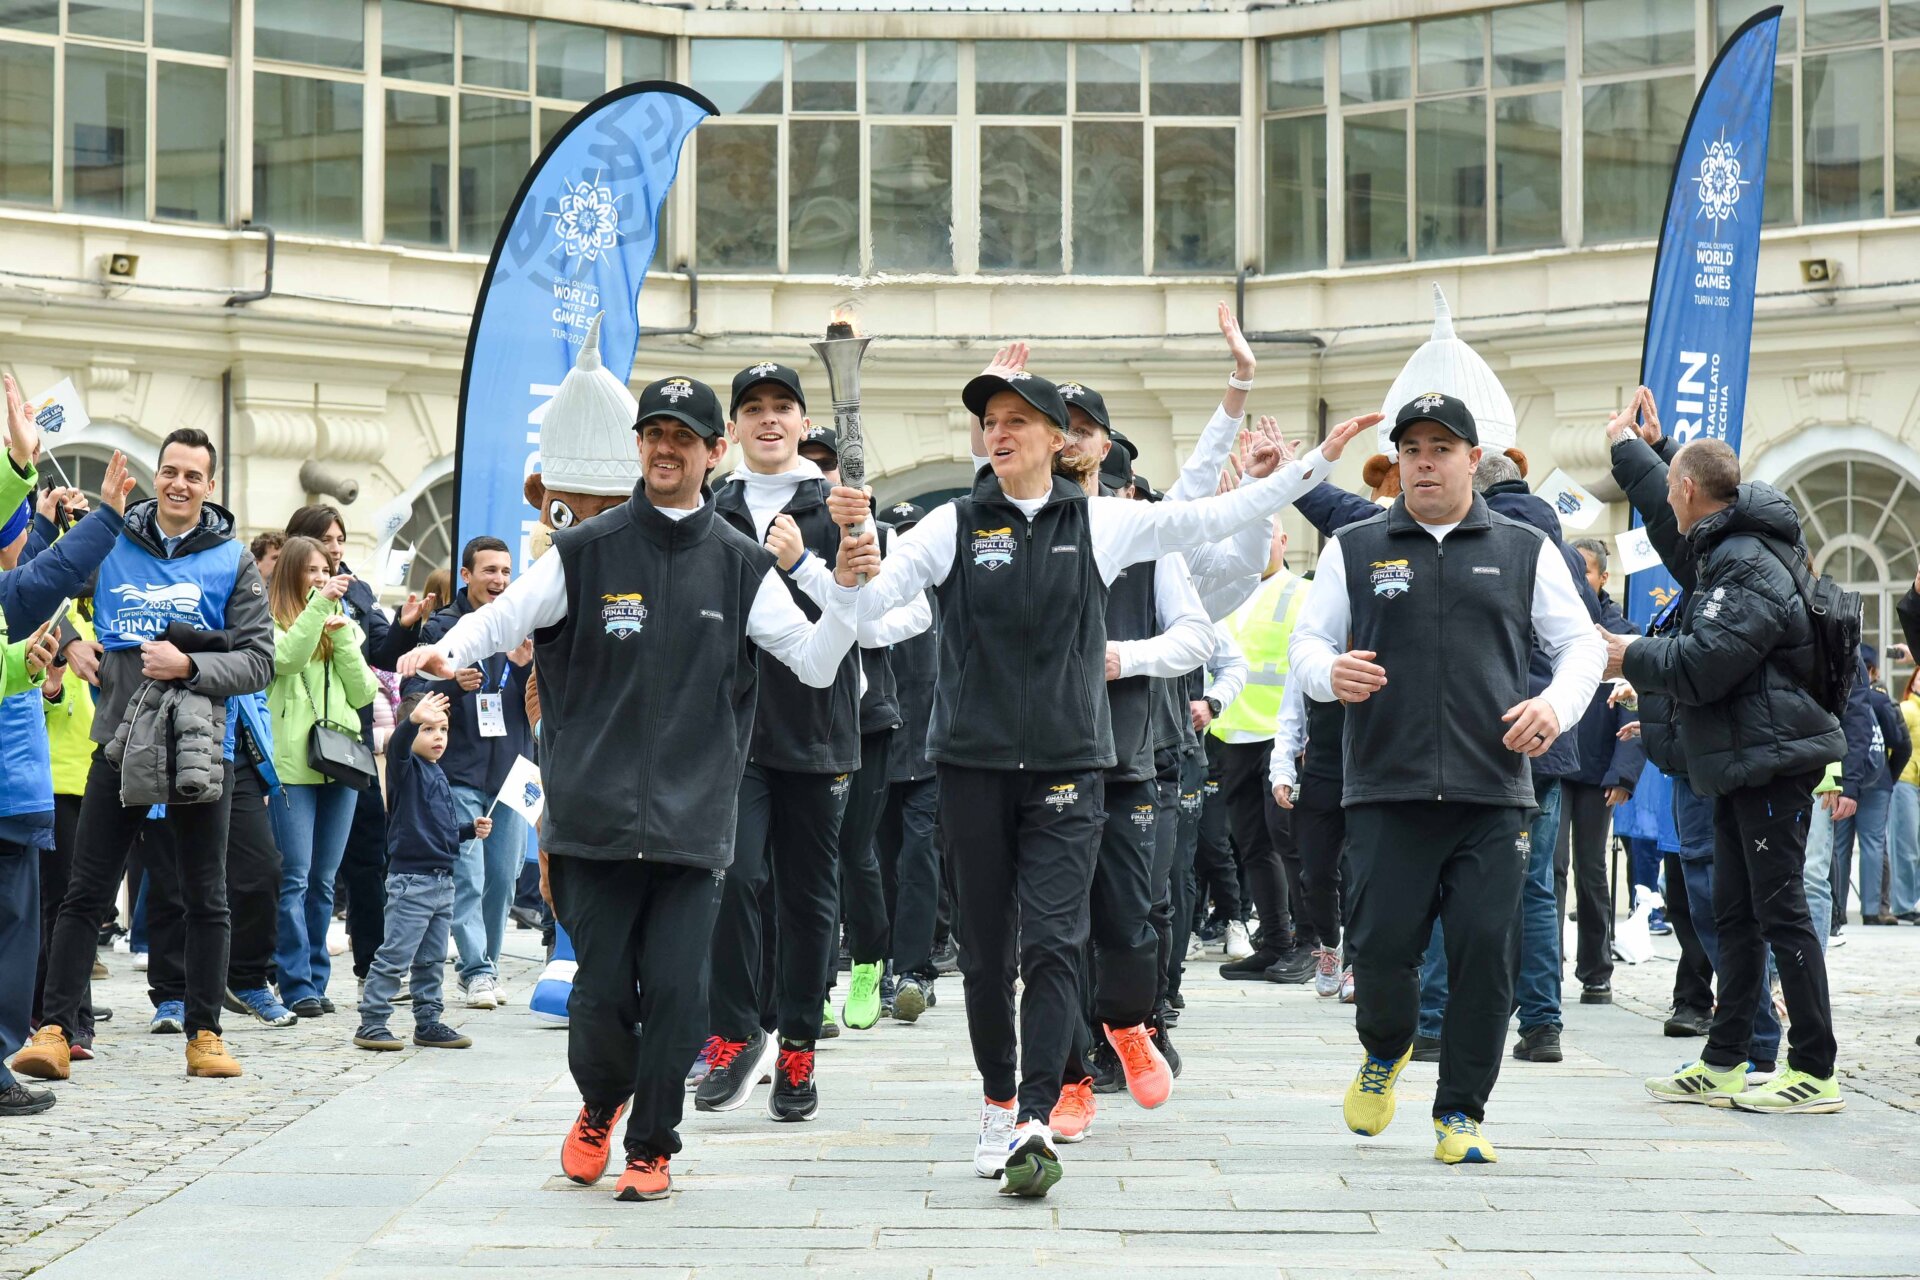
1720,182
588,219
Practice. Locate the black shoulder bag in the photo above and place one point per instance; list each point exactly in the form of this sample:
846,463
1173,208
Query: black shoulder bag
334,753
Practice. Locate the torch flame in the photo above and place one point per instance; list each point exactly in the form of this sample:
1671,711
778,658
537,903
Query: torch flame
843,315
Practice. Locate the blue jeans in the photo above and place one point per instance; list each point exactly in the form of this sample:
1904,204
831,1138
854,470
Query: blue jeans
1819,874
310,825
1693,818
483,883
1536,991
1903,847
1870,826
419,913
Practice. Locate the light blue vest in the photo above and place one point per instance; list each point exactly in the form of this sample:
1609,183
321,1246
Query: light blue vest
28,769
140,594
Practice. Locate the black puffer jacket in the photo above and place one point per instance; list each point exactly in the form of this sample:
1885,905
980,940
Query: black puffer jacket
1641,474
1738,669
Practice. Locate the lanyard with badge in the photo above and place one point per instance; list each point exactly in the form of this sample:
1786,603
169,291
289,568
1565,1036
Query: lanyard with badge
493,705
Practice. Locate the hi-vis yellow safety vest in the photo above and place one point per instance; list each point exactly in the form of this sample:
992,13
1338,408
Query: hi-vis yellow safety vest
1262,627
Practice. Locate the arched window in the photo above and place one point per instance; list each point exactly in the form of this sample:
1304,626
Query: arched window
1861,520
429,531
86,467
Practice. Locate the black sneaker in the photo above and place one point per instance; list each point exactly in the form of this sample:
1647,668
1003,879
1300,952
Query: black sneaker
1686,1022
734,1067
889,986
946,957
794,1095
1602,994
326,1005
19,1100
1542,1044
376,1036
911,998
1253,968
1107,1075
1212,931
1165,1044
1426,1048
438,1035
1298,965
308,1008
1177,1001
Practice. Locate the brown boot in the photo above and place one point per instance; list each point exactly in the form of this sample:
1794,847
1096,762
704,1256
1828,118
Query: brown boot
207,1056
46,1056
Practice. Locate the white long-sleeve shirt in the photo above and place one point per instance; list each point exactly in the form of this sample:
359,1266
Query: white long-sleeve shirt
1185,637
1289,736
902,623
1227,572
1228,667
538,598
1561,625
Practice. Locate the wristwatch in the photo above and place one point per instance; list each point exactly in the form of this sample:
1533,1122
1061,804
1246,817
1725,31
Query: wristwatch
1213,705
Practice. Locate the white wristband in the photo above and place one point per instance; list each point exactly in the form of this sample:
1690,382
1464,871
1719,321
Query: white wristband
1238,385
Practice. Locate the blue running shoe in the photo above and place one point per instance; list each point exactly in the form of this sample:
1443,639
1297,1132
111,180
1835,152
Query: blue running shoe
170,1019
260,1003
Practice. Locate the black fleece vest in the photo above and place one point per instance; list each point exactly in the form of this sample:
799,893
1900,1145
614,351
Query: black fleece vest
1131,615
1023,638
647,686
802,729
1452,622
913,662
880,702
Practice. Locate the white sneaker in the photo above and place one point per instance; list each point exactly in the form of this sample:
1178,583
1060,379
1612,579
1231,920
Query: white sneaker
1326,974
997,1125
1195,947
139,962
121,944
337,940
1239,945
480,993
1346,985
499,994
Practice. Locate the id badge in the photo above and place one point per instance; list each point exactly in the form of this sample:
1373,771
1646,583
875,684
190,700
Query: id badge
493,716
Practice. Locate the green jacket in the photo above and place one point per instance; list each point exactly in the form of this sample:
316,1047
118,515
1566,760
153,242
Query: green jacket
15,488
70,724
301,686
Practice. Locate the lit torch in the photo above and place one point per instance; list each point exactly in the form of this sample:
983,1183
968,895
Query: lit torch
841,351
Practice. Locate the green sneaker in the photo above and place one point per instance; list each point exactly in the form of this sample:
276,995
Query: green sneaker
862,1008
1792,1091
829,1029
1032,1166
1698,1082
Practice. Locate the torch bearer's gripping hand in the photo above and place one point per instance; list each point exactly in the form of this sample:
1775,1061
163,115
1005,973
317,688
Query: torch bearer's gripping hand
848,507
859,560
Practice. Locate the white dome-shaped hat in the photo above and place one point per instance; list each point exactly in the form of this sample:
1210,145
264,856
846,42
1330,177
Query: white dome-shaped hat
1448,365
586,434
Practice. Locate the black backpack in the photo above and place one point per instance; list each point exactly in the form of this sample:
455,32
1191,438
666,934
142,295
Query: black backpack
1835,614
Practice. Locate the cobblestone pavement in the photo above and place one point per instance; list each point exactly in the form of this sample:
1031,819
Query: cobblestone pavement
325,1161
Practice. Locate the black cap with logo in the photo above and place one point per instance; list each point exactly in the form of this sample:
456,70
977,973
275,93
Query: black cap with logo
904,515
1116,469
1144,491
1088,401
1031,387
786,378
822,437
686,400
1435,406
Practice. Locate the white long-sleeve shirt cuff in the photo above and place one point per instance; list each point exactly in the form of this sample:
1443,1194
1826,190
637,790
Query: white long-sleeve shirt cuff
813,577
813,649
1186,636
1137,531
535,599
1565,630
1320,633
1200,475
1229,668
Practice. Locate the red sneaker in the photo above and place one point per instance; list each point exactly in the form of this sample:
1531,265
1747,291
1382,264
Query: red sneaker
583,1156
1149,1079
1073,1114
645,1179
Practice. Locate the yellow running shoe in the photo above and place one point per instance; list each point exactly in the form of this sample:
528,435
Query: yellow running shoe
1369,1105
1461,1141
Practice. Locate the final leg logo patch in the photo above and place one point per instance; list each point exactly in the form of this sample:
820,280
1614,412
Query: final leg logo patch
1391,578
1062,794
623,614
1143,816
993,548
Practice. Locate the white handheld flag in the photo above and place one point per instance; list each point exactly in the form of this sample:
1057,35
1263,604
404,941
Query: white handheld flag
59,414
1570,500
1636,551
523,791
398,565
390,519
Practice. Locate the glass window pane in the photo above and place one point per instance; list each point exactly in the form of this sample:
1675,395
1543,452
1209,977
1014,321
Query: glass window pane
1109,198
911,77
1193,210
1450,183
190,143
1780,142
823,196
1106,77
495,149
1020,198
551,118
1841,144
1296,72
1194,77
644,58
306,154
1020,78
1627,35
1729,14
1530,44
106,131
108,19
1296,193
1903,18
743,77
1629,138
1906,130
196,26
326,33
1374,63
1526,150
493,51
26,123
31,15
572,60
419,159
1376,187
826,75
736,197
416,41
1453,53
912,197
1836,21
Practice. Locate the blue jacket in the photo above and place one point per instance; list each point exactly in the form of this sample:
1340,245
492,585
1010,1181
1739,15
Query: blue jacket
1896,744
1866,759
471,760
386,642
1606,761
424,830
252,708
30,593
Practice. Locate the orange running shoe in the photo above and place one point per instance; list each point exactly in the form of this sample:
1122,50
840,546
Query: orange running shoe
583,1156
1073,1114
1149,1079
646,1178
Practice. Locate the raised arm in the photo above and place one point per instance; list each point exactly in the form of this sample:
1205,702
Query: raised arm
535,599
1186,636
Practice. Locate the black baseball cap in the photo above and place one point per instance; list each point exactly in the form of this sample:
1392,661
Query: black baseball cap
1116,469
1031,387
787,378
904,515
687,400
825,437
1143,488
1090,402
1435,406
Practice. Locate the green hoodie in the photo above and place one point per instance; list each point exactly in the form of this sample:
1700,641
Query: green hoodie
301,686
16,487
